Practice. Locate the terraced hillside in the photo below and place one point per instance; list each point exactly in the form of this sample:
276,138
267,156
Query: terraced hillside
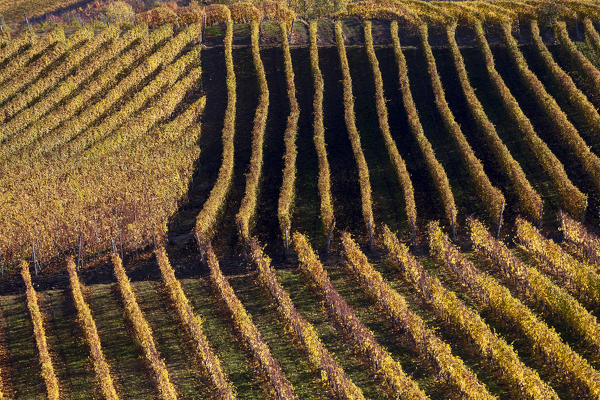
399,201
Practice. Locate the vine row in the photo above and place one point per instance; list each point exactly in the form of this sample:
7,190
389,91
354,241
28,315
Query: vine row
493,350
216,200
382,113
427,344
529,200
324,179
534,287
587,244
575,96
40,136
433,165
53,54
579,278
359,157
73,82
567,131
286,194
590,71
73,57
491,196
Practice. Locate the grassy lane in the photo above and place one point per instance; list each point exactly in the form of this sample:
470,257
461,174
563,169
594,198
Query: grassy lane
171,341
311,308
220,335
70,352
128,369
21,363
295,365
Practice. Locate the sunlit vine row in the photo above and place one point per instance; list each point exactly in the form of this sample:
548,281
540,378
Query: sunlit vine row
193,324
165,78
162,107
14,45
163,57
287,191
485,291
426,343
249,202
48,373
349,116
88,325
591,34
129,192
72,59
96,140
579,278
333,376
26,75
433,165
37,47
529,200
324,179
571,198
143,333
279,385
534,287
382,113
568,132
380,361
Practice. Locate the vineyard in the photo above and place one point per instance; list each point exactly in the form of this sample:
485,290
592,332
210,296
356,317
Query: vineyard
397,200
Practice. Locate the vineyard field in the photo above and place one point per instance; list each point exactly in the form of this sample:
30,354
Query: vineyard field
256,200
